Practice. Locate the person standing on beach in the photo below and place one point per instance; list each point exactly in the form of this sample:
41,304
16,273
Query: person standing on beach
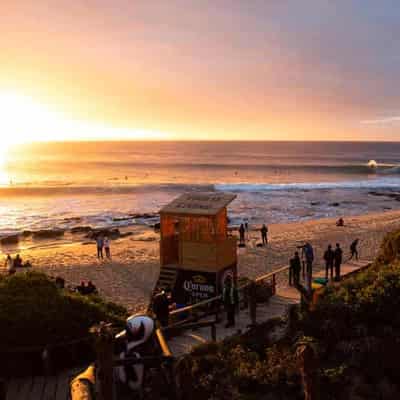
10,265
308,253
264,232
100,244
246,228
329,256
230,298
241,234
353,249
107,247
338,261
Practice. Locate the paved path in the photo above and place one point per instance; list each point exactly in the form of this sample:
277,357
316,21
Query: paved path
41,388
276,307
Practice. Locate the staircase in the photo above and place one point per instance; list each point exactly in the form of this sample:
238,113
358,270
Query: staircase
167,277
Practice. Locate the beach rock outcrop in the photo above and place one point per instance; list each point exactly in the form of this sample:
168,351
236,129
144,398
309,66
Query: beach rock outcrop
110,233
81,229
11,239
48,234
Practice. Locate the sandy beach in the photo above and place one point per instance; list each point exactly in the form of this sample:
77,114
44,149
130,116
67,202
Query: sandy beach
130,276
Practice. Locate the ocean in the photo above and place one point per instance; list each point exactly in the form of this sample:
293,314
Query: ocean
103,184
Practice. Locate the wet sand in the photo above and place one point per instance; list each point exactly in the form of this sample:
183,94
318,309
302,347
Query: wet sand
130,276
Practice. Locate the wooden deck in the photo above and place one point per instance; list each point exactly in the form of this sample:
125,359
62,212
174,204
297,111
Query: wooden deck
276,307
40,387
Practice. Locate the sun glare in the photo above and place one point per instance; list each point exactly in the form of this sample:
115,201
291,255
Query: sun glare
24,120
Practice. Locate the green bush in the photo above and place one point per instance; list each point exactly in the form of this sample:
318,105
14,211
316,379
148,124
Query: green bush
34,312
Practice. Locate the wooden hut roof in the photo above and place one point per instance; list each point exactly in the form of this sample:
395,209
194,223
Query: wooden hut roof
199,203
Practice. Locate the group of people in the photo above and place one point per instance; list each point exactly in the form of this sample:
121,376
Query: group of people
103,243
244,231
333,259
88,288
13,264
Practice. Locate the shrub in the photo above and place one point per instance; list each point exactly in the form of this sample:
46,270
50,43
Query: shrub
33,311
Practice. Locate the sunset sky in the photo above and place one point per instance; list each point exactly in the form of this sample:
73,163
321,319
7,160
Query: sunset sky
185,69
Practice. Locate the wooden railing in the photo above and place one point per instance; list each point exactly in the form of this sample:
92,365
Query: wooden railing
217,299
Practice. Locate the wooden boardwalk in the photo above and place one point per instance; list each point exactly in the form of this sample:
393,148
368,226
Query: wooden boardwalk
40,387
276,307
57,387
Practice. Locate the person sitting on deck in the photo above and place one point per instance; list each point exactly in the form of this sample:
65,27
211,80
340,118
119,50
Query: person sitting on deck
230,299
161,308
81,288
241,234
294,270
90,288
353,249
340,222
329,257
60,282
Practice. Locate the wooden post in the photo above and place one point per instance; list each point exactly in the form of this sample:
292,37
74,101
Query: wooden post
273,284
252,292
104,344
307,363
46,359
213,333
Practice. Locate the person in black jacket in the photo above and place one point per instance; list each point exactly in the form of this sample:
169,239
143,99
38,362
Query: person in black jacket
241,234
294,270
161,308
338,261
329,257
264,232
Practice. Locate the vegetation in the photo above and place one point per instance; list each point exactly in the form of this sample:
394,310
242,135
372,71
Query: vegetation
354,327
34,314
33,311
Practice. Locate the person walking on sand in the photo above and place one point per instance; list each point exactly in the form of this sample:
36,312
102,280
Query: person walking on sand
329,257
354,250
241,234
100,244
230,299
294,270
338,261
107,247
264,232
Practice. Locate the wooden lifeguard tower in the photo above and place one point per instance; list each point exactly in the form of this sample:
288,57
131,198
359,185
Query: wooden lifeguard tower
196,251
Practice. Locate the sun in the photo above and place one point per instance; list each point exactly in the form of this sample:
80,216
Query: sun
23,120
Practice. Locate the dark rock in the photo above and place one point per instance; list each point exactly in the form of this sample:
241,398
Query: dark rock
48,234
334,204
315,203
12,239
143,216
118,219
26,233
81,229
157,226
110,233
126,234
